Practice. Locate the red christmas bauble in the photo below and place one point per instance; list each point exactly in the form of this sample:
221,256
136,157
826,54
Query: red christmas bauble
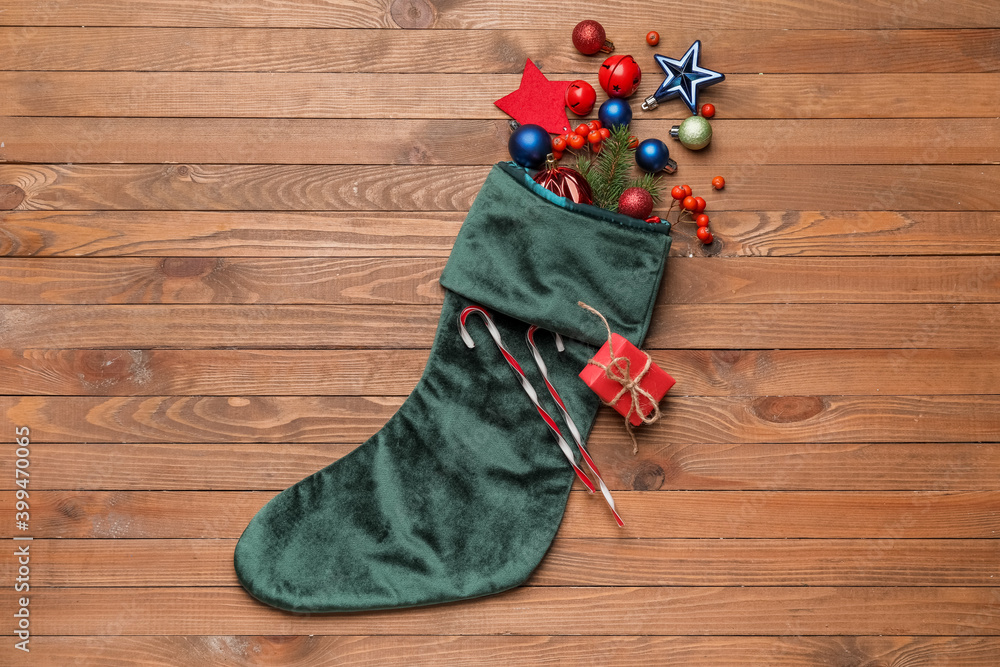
589,38
620,76
580,97
565,182
636,202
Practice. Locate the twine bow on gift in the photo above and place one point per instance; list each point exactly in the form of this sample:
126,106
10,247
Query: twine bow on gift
618,370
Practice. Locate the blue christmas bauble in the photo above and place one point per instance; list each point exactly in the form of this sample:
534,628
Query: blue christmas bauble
652,155
528,146
615,112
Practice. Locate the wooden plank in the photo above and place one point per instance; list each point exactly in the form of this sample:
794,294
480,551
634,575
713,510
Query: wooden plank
800,326
96,372
251,233
696,467
814,280
683,326
874,515
321,95
433,651
426,234
239,280
437,188
570,562
688,280
328,419
617,16
477,142
595,611
322,50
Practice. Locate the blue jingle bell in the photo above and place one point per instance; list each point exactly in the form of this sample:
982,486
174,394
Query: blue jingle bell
615,112
528,145
652,155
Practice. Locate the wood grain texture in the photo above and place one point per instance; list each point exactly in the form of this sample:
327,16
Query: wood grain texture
408,187
199,233
480,142
228,280
532,611
686,326
697,467
220,372
571,562
611,651
321,95
375,280
482,14
318,419
371,50
872,515
395,234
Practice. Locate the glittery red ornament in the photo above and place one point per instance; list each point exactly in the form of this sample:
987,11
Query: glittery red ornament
565,182
636,202
589,38
619,76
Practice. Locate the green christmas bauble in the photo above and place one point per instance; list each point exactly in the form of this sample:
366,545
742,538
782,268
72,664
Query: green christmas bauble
694,133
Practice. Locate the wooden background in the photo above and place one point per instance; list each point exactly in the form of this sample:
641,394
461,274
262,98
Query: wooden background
222,229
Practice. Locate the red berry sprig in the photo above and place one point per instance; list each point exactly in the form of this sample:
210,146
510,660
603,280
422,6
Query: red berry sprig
591,133
694,208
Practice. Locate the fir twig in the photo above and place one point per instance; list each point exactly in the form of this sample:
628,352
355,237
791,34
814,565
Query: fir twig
608,172
649,183
583,166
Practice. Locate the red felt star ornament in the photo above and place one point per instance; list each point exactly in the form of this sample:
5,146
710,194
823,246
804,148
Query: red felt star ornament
538,101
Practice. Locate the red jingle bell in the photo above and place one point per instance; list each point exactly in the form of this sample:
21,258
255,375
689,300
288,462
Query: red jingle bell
580,97
619,76
565,182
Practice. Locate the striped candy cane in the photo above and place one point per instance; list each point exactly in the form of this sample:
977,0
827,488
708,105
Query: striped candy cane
528,389
574,431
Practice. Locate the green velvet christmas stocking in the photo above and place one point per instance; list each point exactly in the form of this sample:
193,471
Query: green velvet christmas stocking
461,492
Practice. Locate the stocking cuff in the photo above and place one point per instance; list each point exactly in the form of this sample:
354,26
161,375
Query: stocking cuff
532,255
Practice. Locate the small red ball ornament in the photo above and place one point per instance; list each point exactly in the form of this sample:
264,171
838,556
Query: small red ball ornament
565,182
580,97
589,38
619,76
636,202
707,110
652,38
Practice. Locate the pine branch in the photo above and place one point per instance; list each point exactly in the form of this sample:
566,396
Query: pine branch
608,172
583,165
650,184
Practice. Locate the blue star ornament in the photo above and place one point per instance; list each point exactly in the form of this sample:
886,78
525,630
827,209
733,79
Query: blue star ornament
684,77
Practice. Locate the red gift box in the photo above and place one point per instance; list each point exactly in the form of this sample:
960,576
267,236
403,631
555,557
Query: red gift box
656,381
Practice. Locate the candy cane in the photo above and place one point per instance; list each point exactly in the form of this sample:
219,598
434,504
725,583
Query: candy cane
569,420
528,389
